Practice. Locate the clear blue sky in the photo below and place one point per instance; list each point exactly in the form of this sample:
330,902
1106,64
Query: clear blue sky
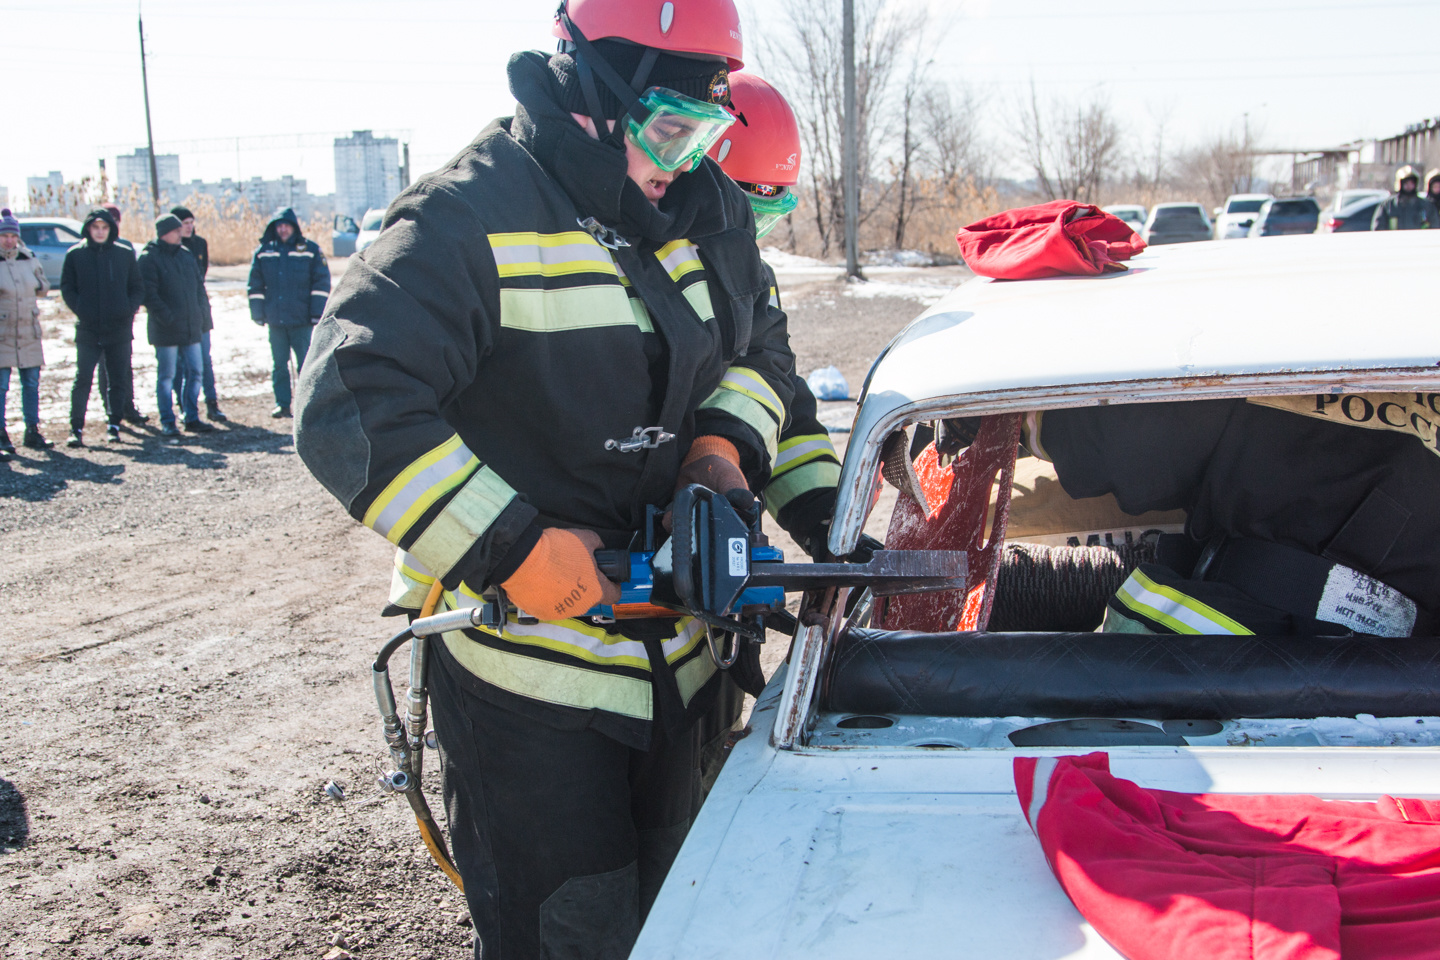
1308,73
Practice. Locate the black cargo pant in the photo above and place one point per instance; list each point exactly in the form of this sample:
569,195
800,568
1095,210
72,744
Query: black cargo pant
115,389
562,836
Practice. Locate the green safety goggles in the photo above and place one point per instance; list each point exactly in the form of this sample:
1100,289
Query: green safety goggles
678,130
770,204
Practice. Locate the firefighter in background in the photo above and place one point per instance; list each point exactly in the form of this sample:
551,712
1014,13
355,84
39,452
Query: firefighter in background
553,332
761,153
1406,210
1432,186
1307,516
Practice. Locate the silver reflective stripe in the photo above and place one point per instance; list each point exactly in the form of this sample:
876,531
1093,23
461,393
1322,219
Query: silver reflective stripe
1181,613
319,293
799,451
437,470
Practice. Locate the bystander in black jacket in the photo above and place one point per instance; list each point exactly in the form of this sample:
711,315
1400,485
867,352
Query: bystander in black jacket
101,285
200,247
174,294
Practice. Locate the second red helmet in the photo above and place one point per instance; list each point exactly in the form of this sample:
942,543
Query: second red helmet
762,146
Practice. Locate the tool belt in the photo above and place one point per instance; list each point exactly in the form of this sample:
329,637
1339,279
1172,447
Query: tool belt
1302,584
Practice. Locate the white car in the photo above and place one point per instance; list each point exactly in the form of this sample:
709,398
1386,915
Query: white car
1344,198
837,833
1238,214
1132,213
369,228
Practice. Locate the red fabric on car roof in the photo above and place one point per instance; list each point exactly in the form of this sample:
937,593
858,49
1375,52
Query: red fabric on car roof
1059,238
1161,874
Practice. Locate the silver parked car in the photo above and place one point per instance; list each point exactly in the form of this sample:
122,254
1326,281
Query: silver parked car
50,238
1176,223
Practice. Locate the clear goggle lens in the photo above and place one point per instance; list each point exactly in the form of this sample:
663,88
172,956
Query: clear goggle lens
679,129
770,204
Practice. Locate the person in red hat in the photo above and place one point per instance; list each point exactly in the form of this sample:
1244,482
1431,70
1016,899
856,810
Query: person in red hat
552,334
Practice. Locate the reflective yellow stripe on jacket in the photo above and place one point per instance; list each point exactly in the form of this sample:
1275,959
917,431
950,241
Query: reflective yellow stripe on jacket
745,395
595,670
475,495
804,462
1171,608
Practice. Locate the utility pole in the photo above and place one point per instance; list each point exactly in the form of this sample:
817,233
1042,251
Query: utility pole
850,159
149,134
405,167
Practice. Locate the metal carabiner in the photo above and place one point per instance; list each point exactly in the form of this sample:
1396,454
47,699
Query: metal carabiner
643,438
715,648
603,235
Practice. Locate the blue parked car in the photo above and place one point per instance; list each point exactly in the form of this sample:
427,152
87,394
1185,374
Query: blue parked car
1285,216
50,238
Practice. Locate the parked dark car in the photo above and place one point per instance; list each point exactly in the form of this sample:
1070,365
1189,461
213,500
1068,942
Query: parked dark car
1286,216
1176,223
1355,215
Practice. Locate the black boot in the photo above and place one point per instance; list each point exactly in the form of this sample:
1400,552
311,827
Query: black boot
5,445
34,441
213,412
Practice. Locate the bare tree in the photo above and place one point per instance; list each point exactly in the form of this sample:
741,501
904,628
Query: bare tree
1216,167
1074,148
954,152
804,59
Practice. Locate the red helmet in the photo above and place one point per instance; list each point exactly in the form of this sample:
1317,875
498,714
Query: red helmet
763,144
710,28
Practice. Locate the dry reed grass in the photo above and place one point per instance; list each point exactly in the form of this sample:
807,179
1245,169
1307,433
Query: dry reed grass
233,229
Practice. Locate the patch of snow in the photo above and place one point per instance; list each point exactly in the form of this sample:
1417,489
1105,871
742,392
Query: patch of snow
239,352
922,291
782,260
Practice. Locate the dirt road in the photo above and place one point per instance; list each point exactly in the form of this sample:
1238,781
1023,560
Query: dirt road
185,633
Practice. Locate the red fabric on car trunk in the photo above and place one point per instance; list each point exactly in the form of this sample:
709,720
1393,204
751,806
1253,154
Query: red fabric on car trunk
1228,877
1059,238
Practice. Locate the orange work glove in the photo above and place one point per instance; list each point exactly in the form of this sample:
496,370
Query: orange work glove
712,462
559,578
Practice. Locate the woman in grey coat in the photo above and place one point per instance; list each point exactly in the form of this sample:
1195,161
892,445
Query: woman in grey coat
22,280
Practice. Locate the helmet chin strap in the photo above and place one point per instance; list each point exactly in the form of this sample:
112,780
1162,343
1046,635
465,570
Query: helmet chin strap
592,65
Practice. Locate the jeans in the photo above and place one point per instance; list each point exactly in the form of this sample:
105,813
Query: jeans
117,389
29,395
283,342
166,361
207,381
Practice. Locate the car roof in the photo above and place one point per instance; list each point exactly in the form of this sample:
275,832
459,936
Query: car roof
1296,311
1177,203
75,225
1249,196
1362,203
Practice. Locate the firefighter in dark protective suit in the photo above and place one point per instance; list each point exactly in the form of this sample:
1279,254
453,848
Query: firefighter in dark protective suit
553,332
1310,515
1407,209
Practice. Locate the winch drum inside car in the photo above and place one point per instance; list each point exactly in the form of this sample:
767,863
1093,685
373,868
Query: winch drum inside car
974,674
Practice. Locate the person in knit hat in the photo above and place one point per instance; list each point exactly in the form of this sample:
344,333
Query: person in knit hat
178,308
197,245
22,280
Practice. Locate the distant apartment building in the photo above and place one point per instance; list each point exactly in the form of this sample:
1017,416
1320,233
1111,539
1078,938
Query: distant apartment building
134,170
367,172
48,186
4,196
264,196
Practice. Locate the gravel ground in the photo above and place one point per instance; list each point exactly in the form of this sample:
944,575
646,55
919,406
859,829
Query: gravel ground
185,637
